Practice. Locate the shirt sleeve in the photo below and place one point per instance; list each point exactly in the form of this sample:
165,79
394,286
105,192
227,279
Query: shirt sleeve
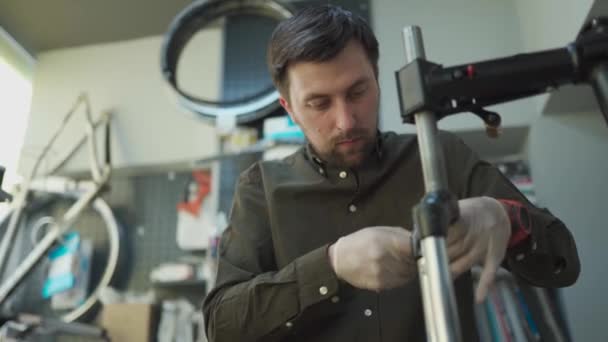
252,299
548,256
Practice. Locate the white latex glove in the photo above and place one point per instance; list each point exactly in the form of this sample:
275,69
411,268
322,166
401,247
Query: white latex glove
374,258
479,237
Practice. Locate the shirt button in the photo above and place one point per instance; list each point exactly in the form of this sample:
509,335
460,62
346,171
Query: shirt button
352,208
335,299
323,290
289,324
343,174
367,312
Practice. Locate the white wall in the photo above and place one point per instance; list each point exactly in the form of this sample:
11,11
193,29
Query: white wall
148,126
455,32
569,158
550,24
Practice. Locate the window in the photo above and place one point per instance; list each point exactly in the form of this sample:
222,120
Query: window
15,101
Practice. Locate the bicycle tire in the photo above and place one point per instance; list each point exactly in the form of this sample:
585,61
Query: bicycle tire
112,228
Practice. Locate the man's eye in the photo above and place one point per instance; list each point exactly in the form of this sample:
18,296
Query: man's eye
357,92
318,104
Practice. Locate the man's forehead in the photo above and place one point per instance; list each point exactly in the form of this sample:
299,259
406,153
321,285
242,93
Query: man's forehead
314,78
346,67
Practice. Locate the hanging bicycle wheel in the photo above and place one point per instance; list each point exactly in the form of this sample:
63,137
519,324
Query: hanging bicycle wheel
255,97
96,227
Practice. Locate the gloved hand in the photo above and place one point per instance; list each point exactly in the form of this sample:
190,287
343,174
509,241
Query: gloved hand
374,258
379,258
479,237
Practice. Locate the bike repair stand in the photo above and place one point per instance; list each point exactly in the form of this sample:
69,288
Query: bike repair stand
431,218
428,92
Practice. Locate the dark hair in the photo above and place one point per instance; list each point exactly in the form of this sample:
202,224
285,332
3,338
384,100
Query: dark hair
317,34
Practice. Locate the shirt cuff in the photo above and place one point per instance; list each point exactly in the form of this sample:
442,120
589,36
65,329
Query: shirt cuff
520,221
317,281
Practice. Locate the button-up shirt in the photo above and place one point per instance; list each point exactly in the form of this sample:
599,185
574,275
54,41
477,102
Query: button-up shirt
275,281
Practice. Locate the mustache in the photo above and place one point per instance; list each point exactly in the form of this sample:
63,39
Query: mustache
355,133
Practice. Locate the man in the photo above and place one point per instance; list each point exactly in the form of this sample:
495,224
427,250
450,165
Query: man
318,247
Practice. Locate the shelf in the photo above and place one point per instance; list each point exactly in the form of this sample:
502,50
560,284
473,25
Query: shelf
571,99
511,142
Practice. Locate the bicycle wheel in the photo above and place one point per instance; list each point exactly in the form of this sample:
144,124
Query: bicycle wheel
97,224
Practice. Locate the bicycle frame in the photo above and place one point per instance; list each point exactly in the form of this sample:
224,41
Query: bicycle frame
86,193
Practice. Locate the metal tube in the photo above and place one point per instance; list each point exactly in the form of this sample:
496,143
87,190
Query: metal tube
426,125
441,314
30,261
425,288
9,236
431,155
443,302
413,43
599,82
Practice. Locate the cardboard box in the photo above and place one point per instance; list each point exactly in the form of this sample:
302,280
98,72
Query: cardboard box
130,322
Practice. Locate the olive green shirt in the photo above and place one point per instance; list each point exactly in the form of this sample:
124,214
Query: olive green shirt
275,282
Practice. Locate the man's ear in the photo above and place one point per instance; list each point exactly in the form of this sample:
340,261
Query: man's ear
285,104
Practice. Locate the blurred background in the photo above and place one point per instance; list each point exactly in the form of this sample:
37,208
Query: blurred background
173,170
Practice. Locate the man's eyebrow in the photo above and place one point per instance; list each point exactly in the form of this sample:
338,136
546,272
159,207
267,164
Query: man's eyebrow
359,82
313,96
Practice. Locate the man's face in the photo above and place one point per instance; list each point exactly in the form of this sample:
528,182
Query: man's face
336,105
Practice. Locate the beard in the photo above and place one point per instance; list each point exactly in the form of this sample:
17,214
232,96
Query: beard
350,149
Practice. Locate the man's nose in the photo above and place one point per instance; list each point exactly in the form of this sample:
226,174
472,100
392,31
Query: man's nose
345,116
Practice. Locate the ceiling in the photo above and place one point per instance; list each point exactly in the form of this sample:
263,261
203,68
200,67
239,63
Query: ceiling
46,25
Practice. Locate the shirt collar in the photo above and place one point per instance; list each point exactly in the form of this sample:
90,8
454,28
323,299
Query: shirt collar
321,166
